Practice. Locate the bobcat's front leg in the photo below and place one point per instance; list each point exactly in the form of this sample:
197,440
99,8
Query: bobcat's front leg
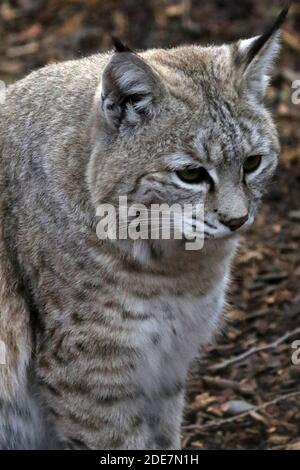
147,430
89,414
164,422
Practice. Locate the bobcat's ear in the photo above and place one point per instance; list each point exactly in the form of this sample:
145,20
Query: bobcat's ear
129,89
254,58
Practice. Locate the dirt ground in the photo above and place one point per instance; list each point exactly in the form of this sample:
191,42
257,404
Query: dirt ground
244,393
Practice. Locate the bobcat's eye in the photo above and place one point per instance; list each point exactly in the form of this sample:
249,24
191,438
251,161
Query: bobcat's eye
252,163
194,176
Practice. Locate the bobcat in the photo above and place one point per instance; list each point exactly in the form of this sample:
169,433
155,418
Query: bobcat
100,334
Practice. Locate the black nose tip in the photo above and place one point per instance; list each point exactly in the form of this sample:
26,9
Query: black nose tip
234,224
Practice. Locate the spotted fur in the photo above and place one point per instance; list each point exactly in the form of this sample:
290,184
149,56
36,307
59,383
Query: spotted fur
100,335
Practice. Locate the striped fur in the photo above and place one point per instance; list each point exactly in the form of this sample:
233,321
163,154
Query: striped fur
100,335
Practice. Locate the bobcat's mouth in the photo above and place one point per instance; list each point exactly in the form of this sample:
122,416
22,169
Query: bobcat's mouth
225,232
208,236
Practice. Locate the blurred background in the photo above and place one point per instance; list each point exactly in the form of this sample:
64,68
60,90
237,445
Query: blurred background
245,392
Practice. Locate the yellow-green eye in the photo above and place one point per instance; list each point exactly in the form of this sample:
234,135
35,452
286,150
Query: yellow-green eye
252,163
194,175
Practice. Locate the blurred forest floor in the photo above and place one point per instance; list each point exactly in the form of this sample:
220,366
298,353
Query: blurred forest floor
254,402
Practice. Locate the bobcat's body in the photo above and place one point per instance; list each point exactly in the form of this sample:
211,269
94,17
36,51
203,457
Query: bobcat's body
100,335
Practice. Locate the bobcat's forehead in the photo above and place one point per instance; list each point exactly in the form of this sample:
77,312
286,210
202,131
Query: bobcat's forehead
213,141
192,64
231,140
208,100
211,117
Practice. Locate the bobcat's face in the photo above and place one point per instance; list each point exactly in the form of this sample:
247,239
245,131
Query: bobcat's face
225,160
187,126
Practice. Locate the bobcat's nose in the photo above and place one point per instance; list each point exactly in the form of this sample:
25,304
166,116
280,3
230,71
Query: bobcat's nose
234,224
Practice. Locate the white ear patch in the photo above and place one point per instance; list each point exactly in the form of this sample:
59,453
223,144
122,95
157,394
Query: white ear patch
254,57
245,44
258,71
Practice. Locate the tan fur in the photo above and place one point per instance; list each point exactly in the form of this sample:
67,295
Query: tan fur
100,334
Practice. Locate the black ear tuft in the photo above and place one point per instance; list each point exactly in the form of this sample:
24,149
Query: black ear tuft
259,43
119,46
253,58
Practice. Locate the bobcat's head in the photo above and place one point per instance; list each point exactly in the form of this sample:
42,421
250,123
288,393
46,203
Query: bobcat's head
188,125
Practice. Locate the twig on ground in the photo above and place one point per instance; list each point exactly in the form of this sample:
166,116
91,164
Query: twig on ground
220,422
255,350
221,383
